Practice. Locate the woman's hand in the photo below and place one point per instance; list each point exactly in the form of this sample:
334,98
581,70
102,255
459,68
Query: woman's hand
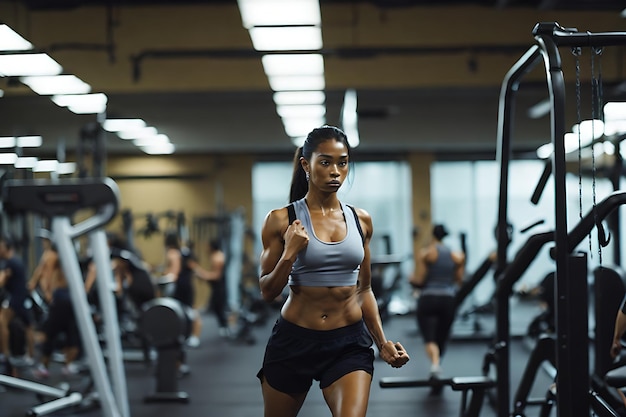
296,238
616,348
394,354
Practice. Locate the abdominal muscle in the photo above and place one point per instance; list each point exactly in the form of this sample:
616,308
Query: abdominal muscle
322,308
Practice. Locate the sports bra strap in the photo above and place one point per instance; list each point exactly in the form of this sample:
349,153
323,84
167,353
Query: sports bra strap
358,223
292,213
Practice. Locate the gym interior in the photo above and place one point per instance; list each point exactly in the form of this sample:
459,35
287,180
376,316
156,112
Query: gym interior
502,120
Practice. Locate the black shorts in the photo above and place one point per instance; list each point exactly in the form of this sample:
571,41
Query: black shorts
295,356
61,320
20,310
184,294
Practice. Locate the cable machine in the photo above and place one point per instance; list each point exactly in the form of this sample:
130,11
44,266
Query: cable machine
571,268
174,221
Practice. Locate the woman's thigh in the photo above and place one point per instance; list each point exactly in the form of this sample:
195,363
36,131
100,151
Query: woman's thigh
280,404
349,395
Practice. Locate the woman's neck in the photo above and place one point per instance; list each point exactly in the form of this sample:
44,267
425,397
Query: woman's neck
326,205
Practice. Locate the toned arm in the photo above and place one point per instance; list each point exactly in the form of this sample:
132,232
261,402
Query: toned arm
281,244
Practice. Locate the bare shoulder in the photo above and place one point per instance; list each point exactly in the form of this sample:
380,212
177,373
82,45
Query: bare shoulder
49,258
363,214
458,257
276,221
429,253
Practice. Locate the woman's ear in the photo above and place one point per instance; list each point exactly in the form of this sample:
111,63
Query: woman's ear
304,164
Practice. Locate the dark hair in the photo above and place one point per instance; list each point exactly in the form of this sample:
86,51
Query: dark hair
116,241
214,244
171,240
299,183
440,231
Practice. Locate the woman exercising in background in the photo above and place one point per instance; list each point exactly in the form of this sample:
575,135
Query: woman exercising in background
439,275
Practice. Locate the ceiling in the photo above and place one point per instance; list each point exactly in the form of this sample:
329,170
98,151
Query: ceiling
427,73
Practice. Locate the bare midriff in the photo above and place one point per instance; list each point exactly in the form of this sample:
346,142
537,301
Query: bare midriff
322,308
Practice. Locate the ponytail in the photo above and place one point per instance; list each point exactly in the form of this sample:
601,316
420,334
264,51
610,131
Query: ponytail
299,183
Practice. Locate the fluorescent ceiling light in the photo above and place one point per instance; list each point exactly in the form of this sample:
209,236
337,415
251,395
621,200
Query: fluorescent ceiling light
28,162
295,127
164,149
15,65
614,127
615,110
12,41
296,83
298,38
66,167
299,97
540,109
144,132
279,12
544,151
117,125
49,165
571,142
156,140
7,142
293,64
301,111
56,84
589,130
8,158
82,103
29,141
92,108
349,117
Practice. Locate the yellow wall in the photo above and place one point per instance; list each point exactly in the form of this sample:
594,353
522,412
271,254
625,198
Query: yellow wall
196,185
420,169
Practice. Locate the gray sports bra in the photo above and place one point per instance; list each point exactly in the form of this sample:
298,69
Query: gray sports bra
328,264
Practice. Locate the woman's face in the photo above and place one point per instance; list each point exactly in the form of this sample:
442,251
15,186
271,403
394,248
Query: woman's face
328,167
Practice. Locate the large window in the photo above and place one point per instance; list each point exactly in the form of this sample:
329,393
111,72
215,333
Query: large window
465,198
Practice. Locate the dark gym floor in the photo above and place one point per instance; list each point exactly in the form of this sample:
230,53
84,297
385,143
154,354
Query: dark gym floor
222,381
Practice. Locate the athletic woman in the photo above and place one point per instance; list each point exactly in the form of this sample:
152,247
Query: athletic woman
330,318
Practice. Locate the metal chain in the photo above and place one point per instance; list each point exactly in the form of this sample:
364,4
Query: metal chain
577,51
596,106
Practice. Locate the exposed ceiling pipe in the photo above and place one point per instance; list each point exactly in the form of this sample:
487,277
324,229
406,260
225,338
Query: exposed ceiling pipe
345,53
108,47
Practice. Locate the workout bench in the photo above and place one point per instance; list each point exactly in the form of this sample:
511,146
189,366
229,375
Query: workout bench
476,385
